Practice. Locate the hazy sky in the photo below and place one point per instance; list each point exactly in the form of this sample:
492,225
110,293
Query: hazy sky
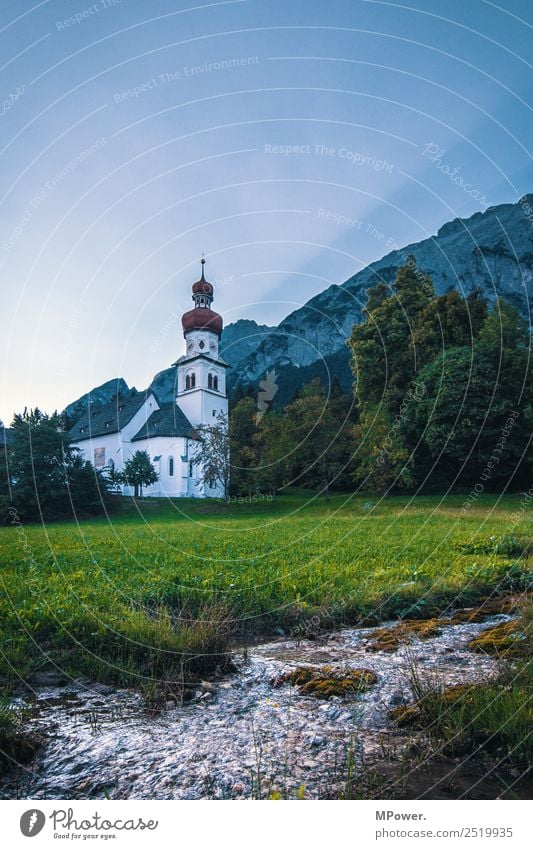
294,142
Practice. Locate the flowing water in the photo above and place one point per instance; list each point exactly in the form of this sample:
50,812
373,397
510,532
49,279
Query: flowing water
241,736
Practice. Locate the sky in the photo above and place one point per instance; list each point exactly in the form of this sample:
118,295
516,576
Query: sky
291,142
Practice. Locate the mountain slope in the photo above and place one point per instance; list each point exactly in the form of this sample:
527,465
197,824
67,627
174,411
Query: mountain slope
492,251
102,394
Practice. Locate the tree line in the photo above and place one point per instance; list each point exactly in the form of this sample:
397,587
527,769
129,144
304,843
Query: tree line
442,399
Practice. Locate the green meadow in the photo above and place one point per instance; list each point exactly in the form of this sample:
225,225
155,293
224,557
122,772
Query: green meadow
161,588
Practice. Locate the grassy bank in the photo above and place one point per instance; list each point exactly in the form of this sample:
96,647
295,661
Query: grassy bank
157,591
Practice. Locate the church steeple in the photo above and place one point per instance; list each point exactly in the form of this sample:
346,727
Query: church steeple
202,316
201,373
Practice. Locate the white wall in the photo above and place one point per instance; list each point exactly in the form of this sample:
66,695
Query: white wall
118,446
171,486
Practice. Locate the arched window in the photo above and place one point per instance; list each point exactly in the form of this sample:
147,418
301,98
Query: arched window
171,467
111,464
209,381
193,380
215,383
188,382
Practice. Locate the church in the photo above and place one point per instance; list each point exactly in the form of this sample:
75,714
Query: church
110,434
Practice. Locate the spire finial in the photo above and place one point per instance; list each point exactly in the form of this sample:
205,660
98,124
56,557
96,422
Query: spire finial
203,264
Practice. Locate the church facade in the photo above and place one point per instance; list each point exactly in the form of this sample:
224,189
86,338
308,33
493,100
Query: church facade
109,435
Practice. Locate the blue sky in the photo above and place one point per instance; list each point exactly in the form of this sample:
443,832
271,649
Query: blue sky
292,142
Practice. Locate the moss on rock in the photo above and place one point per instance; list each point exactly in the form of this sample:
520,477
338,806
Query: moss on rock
388,639
325,682
507,639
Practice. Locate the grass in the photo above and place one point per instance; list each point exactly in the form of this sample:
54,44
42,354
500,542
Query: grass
495,717
16,745
157,591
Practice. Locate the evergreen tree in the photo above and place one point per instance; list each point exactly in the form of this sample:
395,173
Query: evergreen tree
138,472
47,477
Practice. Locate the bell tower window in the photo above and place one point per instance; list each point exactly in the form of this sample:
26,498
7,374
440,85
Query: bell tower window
171,467
215,383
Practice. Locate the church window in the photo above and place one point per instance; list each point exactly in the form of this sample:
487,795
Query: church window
201,345
188,382
190,469
215,383
171,466
111,464
193,380
210,381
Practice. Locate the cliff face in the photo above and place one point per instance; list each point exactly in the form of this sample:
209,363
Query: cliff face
492,251
108,391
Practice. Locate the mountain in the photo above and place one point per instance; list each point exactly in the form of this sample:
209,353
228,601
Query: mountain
492,251
241,339
108,391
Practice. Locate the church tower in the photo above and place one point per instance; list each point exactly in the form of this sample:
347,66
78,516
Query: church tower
201,386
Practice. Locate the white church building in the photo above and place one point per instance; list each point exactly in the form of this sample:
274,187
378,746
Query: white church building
110,434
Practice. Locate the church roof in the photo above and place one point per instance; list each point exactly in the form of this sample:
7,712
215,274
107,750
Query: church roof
107,418
169,420
216,360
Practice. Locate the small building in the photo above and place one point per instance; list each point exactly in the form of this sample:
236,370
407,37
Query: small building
110,434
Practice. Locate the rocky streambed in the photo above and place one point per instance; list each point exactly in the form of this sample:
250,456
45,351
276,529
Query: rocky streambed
245,735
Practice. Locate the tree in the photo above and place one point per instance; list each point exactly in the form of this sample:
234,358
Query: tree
318,436
383,360
47,477
138,472
447,321
5,493
469,417
213,455
243,430
383,460
273,449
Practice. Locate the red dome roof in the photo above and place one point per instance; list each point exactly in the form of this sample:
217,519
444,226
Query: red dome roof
202,318
202,287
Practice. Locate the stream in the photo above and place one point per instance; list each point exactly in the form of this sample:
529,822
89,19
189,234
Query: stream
240,737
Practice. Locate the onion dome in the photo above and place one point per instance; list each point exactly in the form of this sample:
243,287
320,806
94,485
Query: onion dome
202,286
202,316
